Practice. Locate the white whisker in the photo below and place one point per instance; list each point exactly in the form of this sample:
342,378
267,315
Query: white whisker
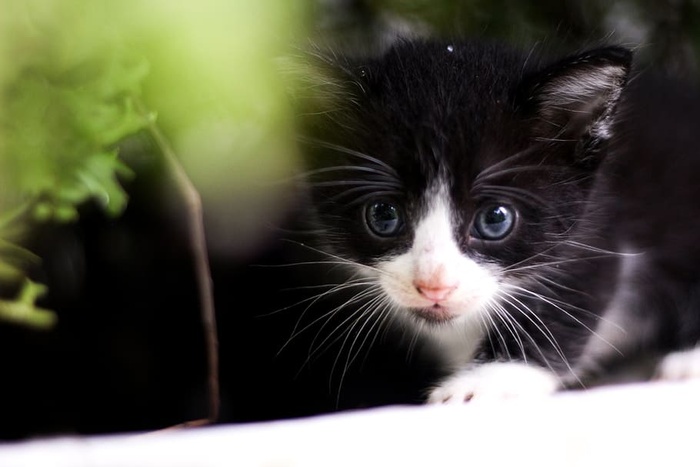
536,321
502,316
325,316
524,291
519,326
352,316
350,359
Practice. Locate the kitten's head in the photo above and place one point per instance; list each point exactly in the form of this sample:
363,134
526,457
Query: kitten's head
446,174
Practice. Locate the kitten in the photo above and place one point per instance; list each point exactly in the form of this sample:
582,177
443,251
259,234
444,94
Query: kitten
535,220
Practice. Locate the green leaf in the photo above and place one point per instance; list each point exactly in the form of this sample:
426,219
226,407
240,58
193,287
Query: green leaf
68,85
24,310
13,259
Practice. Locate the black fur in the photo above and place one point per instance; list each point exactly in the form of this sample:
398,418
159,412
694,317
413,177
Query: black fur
600,161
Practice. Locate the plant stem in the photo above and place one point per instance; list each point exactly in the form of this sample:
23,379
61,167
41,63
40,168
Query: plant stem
195,225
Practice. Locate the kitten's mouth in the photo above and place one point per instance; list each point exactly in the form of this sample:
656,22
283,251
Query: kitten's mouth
434,314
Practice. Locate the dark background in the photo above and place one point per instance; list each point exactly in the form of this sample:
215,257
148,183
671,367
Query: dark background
128,352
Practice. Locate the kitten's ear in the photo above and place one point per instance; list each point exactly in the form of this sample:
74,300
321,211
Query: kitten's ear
575,98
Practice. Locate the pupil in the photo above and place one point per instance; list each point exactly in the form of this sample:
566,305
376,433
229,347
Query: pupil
383,218
496,216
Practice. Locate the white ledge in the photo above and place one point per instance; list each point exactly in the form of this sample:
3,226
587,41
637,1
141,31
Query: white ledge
627,425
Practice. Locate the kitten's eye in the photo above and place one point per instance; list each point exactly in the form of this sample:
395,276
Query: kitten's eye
494,222
384,219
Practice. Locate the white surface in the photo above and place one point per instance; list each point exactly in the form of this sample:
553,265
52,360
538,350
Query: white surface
653,424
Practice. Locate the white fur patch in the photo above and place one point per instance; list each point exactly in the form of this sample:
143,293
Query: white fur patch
456,342
619,327
435,259
678,366
494,381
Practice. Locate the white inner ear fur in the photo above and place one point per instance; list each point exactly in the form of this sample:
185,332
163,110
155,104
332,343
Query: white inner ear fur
585,85
589,92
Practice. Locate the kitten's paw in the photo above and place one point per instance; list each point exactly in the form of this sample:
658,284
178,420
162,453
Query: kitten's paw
494,381
679,366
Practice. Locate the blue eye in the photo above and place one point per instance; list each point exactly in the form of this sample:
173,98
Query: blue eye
494,222
383,218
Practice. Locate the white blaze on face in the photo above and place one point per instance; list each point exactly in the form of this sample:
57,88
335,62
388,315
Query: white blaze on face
434,278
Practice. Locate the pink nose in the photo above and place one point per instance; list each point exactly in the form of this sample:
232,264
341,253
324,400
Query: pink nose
434,293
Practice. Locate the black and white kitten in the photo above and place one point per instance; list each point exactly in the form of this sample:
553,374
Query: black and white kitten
535,220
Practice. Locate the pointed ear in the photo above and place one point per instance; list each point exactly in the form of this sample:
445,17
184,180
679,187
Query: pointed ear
575,98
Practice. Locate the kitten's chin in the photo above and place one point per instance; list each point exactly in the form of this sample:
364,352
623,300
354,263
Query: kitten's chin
434,314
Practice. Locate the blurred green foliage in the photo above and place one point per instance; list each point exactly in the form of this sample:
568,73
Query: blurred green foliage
78,76
68,89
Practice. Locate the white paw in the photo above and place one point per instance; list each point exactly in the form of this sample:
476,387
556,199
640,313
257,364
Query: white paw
494,381
679,365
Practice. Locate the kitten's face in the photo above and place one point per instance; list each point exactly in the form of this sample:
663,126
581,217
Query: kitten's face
436,277
441,184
